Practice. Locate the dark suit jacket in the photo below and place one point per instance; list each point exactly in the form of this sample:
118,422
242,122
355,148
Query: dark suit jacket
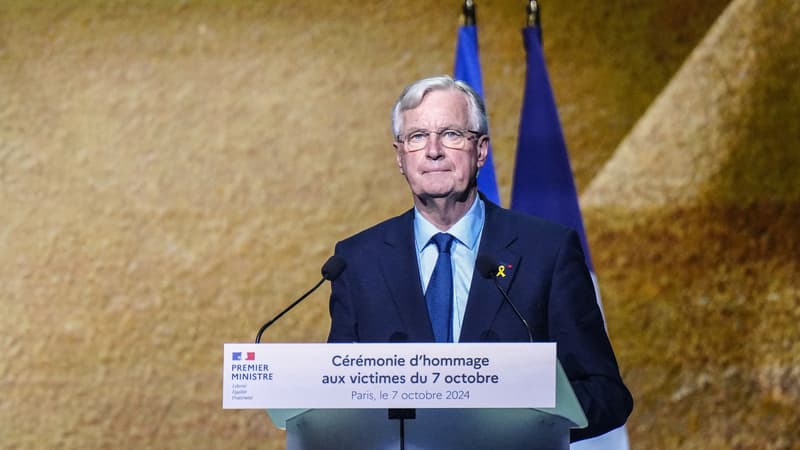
379,298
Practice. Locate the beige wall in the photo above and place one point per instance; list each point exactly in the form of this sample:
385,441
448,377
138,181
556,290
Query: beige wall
173,173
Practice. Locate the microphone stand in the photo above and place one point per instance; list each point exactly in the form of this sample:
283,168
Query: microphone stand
289,308
516,311
402,415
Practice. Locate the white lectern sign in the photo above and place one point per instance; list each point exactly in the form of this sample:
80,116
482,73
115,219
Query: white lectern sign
407,375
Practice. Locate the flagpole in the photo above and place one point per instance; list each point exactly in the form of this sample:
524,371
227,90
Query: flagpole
468,13
534,19
533,13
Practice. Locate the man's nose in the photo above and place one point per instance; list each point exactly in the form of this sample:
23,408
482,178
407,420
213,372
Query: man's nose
434,149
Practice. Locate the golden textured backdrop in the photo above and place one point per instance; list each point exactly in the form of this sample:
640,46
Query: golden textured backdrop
174,173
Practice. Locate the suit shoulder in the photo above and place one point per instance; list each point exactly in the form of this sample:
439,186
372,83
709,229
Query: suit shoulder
533,232
529,224
377,233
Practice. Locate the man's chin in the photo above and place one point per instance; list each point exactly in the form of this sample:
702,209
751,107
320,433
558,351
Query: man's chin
433,193
436,194
443,194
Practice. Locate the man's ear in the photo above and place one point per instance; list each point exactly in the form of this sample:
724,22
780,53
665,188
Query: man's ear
397,155
483,150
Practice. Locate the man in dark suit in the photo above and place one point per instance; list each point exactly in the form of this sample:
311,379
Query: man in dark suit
397,270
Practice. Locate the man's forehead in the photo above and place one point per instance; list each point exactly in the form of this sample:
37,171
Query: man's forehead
441,108
453,96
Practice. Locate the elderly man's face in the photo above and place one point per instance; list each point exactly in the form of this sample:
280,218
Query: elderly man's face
437,171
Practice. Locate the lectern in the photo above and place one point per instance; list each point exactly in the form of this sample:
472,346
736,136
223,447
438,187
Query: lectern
406,395
439,429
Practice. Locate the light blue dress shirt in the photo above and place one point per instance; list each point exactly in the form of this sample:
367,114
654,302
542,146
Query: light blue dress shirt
467,232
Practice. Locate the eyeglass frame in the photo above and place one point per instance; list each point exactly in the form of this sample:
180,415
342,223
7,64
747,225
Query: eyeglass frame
427,133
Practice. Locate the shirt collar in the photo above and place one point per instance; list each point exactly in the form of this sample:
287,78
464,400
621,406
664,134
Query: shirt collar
467,230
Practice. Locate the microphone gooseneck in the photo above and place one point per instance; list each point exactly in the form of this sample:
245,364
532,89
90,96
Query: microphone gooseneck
331,270
487,267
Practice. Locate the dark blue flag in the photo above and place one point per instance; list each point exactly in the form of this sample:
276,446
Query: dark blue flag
468,69
543,183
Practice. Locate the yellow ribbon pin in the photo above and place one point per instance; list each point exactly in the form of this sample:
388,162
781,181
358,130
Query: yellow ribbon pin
501,271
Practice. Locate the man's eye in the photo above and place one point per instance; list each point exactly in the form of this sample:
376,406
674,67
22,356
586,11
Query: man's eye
451,134
417,137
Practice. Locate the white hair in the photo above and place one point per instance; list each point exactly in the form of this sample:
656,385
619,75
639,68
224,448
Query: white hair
414,93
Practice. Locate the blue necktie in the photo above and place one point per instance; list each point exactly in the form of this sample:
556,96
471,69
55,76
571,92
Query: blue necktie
439,295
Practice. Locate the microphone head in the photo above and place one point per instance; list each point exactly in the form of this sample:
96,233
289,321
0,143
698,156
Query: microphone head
398,336
489,336
486,265
333,267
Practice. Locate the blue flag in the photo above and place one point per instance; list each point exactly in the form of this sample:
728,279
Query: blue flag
468,69
543,183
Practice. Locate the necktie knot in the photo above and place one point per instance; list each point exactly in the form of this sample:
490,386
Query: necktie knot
443,241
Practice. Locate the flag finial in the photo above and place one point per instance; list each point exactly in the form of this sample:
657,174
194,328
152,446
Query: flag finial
533,13
468,12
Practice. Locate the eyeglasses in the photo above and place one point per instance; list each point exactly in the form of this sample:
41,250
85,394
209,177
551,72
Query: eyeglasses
448,137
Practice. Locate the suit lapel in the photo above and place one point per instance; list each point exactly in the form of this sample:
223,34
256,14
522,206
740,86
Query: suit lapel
484,298
401,271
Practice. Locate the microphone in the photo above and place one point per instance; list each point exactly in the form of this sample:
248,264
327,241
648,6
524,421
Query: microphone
331,270
489,336
398,336
487,267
